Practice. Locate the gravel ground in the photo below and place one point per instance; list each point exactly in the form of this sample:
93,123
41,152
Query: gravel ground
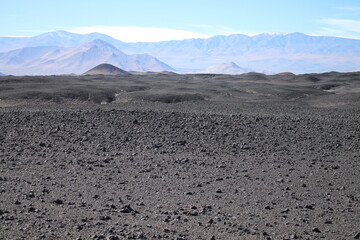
180,157
194,170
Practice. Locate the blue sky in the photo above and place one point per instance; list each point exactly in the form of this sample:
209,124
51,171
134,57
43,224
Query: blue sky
155,20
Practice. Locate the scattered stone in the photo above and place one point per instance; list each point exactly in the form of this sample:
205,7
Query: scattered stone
104,218
32,209
294,236
357,235
181,142
286,210
98,237
113,238
126,209
58,201
309,207
317,230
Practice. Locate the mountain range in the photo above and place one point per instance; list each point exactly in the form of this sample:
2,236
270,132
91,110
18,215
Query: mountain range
47,60
63,52
58,38
294,52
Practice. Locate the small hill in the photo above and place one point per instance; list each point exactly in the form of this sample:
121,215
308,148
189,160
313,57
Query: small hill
168,73
106,69
225,68
285,74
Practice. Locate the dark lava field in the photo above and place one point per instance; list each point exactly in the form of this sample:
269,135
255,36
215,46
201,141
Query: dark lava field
167,156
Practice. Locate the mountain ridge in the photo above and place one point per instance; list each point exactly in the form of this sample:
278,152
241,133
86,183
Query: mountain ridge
57,38
62,60
291,52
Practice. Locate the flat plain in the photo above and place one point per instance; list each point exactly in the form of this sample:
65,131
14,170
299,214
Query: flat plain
169,156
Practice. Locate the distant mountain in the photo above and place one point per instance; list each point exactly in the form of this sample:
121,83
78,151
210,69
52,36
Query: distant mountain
60,60
294,52
1,74
58,39
226,68
106,69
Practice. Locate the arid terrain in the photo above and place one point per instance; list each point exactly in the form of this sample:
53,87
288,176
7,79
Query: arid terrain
169,156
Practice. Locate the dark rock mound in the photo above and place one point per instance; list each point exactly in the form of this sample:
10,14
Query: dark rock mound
329,74
172,98
206,75
285,74
310,78
69,94
134,88
106,69
254,76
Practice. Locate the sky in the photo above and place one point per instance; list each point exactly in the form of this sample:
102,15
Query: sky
160,20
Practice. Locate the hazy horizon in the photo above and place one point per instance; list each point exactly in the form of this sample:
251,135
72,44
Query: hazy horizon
139,36
159,20
199,37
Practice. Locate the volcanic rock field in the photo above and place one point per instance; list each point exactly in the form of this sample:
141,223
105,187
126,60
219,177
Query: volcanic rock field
168,156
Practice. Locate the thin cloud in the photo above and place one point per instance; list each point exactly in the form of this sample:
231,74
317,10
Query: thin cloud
340,27
221,30
325,31
140,34
345,24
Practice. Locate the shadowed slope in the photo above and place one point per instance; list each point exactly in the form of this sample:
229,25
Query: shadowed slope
106,69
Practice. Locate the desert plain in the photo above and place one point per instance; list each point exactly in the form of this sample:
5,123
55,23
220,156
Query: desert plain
170,156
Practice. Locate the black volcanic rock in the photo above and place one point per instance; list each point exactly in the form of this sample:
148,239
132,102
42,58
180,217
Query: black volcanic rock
106,69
